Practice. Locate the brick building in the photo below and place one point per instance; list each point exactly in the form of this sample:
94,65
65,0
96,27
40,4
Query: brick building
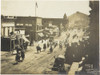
32,26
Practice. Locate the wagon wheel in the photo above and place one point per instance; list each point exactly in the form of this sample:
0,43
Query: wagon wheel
61,68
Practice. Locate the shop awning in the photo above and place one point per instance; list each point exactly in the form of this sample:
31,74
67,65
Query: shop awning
61,56
40,34
25,39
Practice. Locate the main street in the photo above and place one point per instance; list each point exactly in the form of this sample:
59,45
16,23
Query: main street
34,62
42,62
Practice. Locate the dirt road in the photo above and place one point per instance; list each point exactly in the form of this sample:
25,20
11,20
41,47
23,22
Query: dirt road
34,62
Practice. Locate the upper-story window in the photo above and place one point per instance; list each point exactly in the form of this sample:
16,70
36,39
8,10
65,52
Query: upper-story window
30,24
26,24
44,21
19,24
37,27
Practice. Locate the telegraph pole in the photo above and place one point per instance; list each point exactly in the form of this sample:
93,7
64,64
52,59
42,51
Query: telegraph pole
36,6
35,9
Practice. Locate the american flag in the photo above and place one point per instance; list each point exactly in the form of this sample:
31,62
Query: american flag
36,5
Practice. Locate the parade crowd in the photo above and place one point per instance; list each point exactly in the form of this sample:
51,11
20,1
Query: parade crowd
73,41
41,46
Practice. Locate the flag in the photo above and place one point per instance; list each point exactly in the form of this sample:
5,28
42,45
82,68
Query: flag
36,5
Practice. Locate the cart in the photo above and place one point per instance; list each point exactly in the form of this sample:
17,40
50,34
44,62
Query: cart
59,64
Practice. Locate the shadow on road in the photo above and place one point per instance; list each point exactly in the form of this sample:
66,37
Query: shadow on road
15,63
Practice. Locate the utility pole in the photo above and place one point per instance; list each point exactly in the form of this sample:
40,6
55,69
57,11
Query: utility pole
36,6
35,9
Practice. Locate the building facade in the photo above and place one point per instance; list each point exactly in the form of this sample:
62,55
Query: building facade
32,26
57,22
53,21
29,26
7,28
7,25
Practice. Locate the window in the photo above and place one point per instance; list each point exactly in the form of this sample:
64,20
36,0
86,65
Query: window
19,24
44,21
13,29
8,31
3,31
30,24
37,27
26,24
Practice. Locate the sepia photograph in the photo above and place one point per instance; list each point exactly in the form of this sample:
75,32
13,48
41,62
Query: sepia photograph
50,37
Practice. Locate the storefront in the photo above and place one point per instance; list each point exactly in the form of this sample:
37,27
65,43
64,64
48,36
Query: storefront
8,44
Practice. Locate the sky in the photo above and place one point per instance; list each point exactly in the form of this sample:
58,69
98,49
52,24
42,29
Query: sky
46,8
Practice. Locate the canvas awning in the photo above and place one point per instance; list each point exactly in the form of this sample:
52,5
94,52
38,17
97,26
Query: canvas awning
41,34
25,39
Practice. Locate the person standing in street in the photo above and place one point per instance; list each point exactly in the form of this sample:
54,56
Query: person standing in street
25,45
22,54
55,45
47,44
18,48
60,46
38,48
51,49
44,47
17,58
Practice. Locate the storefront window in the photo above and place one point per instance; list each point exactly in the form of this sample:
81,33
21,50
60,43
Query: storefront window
37,27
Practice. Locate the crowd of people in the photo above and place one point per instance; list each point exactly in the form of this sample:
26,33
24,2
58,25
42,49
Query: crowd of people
50,45
72,48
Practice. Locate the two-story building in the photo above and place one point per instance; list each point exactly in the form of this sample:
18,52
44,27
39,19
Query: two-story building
7,25
32,25
53,21
56,22
7,28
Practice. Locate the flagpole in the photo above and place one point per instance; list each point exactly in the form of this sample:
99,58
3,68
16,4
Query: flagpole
35,9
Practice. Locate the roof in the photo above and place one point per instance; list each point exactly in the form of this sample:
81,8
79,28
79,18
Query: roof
15,17
52,18
78,14
27,17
